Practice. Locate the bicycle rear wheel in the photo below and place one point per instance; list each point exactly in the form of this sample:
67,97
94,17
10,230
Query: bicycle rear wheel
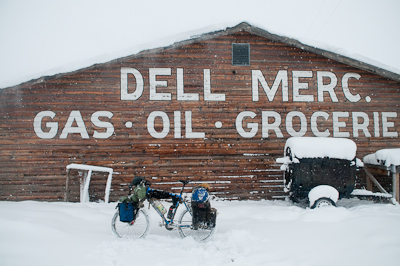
138,228
185,228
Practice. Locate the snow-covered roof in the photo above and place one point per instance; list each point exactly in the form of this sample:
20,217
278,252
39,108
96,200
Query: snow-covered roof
321,147
386,157
244,26
68,35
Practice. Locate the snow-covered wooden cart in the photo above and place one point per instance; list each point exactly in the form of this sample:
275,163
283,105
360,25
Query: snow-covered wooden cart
319,170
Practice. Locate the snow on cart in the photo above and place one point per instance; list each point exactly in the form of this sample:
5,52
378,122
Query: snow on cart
319,170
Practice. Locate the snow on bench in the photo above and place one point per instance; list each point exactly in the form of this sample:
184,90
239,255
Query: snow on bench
386,157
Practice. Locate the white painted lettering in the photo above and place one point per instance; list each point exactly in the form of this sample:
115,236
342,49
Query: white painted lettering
150,124
74,116
314,126
363,126
252,126
386,125
339,124
281,77
266,126
125,95
177,125
181,95
37,125
297,86
289,124
208,96
345,85
189,134
376,124
154,83
329,88
96,122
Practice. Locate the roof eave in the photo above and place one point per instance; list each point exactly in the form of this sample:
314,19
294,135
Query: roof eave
334,56
244,26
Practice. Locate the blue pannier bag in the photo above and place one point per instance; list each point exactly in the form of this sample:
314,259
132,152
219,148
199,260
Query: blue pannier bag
127,211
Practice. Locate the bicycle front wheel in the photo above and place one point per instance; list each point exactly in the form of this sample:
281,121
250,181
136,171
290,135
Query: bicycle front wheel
138,228
185,228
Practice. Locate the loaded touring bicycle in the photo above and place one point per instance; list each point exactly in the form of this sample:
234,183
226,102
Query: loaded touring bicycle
132,220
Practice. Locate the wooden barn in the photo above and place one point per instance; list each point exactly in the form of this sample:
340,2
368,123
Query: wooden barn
216,108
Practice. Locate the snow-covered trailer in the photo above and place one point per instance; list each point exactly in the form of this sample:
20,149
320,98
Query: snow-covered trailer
319,170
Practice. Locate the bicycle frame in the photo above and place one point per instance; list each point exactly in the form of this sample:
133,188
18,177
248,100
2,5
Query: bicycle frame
169,223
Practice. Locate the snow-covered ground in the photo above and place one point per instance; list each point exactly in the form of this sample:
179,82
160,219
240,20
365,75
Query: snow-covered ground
249,233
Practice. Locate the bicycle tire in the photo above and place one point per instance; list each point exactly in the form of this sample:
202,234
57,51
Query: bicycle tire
185,228
139,228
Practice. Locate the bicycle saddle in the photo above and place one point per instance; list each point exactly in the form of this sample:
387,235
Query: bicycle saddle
185,182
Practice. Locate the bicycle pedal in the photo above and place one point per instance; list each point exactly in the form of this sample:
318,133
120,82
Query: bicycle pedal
160,224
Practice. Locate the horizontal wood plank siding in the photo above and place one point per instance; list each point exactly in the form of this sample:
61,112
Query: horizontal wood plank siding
32,168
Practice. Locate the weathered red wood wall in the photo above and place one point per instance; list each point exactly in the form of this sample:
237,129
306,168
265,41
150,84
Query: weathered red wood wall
33,168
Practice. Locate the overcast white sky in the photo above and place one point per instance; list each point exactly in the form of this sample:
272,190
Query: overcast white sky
46,37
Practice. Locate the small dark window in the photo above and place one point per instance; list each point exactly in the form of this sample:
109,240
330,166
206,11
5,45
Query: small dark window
240,54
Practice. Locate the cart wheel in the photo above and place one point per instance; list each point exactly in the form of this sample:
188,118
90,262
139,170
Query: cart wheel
323,202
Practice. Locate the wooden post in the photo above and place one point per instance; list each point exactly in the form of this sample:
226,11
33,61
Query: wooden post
85,191
67,187
395,183
369,183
